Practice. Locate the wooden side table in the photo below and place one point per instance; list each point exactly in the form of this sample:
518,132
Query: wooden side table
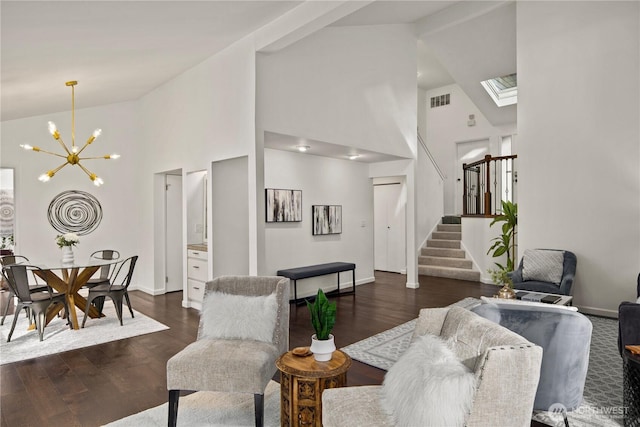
302,381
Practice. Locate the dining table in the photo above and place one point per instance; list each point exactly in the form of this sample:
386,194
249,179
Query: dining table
69,278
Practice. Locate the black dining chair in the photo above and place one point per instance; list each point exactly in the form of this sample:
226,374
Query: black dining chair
34,287
17,275
106,272
116,289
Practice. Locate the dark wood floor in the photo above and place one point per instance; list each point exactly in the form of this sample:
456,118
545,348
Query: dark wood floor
103,383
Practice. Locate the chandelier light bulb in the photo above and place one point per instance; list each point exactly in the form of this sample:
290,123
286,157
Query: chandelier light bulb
54,130
46,176
26,146
114,156
75,149
97,132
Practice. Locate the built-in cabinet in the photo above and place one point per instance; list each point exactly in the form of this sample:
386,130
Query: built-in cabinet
196,274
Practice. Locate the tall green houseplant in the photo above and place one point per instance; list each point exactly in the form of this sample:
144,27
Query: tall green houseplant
506,242
323,315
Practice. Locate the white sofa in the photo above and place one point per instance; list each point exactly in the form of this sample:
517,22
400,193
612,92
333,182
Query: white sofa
506,367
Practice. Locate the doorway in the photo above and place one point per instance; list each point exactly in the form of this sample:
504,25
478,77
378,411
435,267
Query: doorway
468,152
389,227
173,231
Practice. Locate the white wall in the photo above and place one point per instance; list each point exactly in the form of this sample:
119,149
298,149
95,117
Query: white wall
447,126
323,181
429,197
579,141
204,115
477,235
352,86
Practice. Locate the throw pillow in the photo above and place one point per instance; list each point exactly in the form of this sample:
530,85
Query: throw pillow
227,316
428,386
543,265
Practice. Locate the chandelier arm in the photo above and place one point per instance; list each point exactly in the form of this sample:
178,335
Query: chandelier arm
106,156
49,152
59,139
56,170
83,147
87,171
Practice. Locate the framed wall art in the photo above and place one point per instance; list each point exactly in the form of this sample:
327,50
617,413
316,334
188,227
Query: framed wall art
327,219
283,205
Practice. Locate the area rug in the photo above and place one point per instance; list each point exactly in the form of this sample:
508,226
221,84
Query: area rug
602,405
58,337
211,409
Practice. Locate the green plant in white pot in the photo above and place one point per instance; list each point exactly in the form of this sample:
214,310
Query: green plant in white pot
323,318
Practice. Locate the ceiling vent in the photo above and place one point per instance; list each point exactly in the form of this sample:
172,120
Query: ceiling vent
440,101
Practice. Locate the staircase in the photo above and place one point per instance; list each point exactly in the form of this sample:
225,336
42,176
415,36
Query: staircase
442,256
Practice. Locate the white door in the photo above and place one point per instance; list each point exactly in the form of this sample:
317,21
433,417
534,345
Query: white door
174,249
468,152
389,228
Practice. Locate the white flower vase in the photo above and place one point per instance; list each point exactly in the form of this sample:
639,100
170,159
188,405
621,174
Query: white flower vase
67,255
322,349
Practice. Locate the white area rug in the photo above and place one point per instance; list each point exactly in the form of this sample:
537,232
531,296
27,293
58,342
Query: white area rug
58,337
211,409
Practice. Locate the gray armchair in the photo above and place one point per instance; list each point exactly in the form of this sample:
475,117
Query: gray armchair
244,328
629,322
563,287
565,337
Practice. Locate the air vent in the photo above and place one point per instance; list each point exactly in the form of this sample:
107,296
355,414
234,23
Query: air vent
439,101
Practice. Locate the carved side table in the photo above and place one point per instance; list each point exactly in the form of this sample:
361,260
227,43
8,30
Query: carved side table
302,381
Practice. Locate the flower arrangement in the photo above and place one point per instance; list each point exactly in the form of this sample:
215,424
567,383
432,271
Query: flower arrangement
67,239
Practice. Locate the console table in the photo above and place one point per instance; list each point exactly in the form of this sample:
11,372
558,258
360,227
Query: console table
302,381
319,270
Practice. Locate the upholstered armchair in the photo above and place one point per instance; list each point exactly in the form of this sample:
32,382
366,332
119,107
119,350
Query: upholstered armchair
545,270
629,322
244,328
565,337
505,368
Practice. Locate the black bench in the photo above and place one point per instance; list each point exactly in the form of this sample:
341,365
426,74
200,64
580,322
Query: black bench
319,270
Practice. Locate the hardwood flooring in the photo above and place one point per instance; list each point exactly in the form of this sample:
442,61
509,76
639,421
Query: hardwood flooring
96,385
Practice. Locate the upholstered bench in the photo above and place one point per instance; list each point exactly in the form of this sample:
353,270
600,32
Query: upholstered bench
319,270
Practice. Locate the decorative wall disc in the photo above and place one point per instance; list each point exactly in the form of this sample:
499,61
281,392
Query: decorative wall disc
7,213
75,212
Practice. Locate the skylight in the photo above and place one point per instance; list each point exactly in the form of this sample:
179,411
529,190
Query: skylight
503,90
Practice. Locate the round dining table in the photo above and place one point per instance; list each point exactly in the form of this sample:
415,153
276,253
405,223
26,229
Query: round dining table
69,278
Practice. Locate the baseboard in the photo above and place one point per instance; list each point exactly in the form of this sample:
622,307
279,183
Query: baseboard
153,292
598,312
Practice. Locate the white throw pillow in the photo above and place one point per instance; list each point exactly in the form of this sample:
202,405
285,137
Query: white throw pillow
543,265
428,386
227,316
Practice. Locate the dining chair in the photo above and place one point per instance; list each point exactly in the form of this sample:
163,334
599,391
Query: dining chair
17,275
35,287
116,289
105,275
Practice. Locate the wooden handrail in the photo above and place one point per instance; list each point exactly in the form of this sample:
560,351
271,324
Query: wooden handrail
478,197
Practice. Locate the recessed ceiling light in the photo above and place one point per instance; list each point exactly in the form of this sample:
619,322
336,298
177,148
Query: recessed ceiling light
353,156
302,148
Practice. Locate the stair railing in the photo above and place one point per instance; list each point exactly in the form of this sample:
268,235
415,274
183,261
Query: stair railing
486,183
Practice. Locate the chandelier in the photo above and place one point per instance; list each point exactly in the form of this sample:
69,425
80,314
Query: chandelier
72,156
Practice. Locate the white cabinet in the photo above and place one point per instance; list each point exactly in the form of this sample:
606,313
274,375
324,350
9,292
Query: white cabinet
197,270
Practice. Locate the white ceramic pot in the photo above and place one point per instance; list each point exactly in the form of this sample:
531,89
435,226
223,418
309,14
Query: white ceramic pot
322,349
67,255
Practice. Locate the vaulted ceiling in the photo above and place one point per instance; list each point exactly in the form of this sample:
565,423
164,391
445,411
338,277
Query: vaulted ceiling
121,50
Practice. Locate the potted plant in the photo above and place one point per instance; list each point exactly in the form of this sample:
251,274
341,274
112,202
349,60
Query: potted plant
505,244
323,317
66,242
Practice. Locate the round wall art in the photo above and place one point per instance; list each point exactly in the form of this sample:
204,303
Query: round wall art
75,212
